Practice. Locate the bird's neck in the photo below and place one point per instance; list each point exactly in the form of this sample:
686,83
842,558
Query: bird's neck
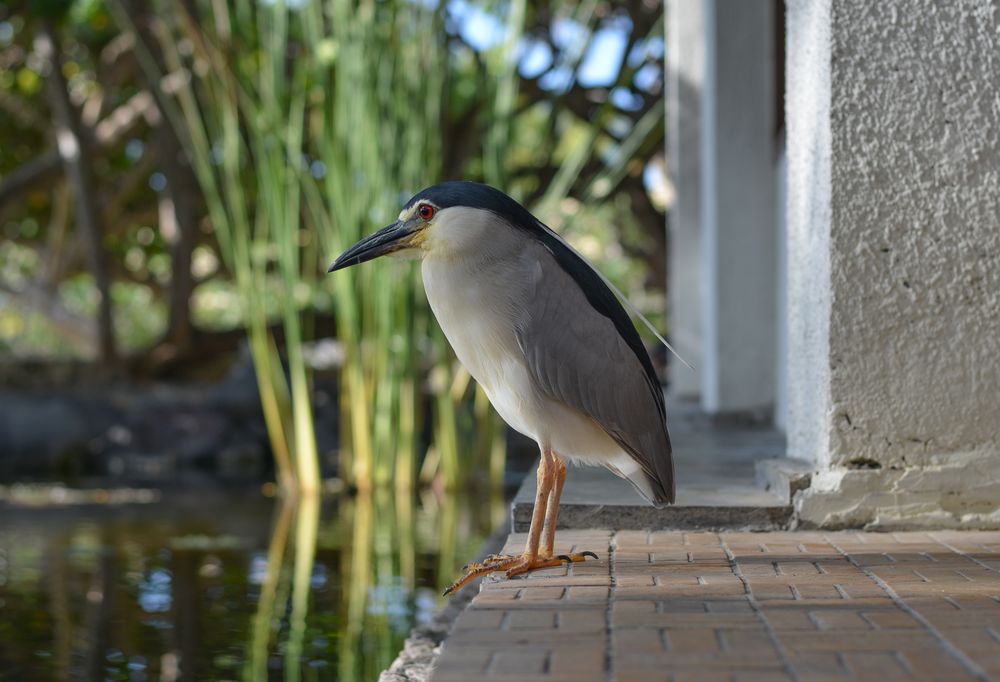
475,257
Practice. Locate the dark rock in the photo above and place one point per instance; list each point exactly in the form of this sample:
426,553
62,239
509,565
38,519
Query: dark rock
151,432
46,434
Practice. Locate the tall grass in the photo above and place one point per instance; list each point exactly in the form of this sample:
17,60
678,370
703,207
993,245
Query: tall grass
242,122
307,128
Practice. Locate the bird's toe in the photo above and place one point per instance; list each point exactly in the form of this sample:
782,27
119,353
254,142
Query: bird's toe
490,564
514,565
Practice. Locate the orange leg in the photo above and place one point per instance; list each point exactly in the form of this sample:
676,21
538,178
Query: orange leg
551,476
552,509
546,477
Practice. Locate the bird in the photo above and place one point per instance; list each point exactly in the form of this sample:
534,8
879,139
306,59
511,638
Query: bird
549,342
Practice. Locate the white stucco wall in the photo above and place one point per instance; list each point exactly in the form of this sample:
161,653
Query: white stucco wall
900,107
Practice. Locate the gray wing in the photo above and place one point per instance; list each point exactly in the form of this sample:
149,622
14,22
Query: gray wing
578,356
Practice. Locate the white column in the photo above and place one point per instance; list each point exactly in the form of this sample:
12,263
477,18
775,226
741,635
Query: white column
738,208
781,343
685,72
808,224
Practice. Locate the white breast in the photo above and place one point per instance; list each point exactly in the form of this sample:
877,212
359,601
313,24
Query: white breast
476,310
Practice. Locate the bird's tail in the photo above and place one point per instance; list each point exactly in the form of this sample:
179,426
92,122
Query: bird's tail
627,468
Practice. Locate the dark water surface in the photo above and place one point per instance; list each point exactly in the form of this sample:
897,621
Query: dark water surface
223,585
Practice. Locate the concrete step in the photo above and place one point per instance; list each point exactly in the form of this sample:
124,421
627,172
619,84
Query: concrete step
596,498
784,476
717,485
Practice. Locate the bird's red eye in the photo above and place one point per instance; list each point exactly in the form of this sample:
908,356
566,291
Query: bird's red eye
426,211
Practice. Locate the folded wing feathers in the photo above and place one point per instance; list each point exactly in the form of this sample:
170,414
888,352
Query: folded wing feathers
621,297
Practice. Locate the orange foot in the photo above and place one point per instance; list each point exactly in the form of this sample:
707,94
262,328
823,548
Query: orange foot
514,564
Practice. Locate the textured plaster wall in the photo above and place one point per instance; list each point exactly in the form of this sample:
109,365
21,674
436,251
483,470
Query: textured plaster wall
911,415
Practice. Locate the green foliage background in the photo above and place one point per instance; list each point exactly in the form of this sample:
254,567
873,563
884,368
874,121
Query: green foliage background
306,125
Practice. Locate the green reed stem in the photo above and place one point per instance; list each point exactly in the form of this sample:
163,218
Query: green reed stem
306,530
262,629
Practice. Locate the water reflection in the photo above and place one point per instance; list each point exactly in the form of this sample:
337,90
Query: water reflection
226,586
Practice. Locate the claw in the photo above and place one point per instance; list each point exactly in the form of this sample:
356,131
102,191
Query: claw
578,557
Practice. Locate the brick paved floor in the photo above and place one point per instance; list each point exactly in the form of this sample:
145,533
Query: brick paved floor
740,606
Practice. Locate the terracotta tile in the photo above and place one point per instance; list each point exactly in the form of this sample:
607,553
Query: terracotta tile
678,611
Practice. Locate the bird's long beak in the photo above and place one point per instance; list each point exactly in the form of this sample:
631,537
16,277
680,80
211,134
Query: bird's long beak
395,237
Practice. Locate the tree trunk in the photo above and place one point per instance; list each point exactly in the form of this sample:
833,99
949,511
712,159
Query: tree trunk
179,202
73,146
178,224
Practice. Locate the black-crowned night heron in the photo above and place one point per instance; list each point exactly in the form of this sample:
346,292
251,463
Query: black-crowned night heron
545,337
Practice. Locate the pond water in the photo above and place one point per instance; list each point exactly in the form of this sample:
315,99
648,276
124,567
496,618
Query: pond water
224,585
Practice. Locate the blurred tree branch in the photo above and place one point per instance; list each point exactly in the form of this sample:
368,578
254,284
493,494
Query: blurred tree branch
74,150
587,105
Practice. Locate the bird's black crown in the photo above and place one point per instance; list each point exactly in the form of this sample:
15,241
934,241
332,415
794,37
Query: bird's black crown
478,195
